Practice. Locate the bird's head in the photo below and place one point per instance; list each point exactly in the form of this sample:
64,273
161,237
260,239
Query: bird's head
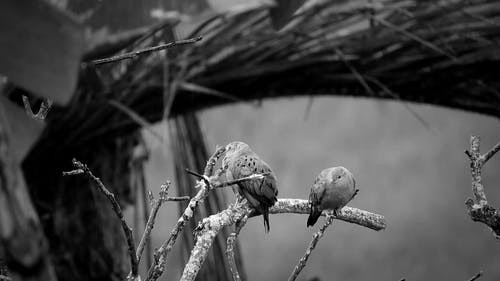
342,176
232,151
236,146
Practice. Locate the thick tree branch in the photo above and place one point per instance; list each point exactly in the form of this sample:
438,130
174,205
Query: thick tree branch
82,168
302,262
211,225
478,208
160,259
347,214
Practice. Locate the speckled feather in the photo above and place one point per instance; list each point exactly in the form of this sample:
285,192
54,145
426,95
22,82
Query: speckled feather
242,162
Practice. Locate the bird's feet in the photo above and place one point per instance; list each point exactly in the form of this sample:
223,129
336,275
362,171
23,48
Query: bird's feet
355,193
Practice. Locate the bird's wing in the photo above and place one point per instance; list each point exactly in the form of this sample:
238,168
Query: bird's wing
265,190
318,189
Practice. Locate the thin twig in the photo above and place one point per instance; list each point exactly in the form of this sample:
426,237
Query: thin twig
478,208
42,111
178,198
302,262
5,278
160,259
134,54
236,181
116,207
479,274
490,153
73,172
230,247
151,220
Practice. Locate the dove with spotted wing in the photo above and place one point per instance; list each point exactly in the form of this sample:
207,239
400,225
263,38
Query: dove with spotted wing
240,161
332,190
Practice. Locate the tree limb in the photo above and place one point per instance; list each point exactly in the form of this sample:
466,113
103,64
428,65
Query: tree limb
210,226
478,208
82,168
302,262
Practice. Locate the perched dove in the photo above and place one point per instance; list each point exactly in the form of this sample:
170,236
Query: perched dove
333,189
240,161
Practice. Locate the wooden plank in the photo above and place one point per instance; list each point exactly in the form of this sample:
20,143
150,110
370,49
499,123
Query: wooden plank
40,48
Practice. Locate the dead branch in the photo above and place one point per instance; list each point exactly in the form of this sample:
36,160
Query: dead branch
302,262
160,259
475,277
211,225
4,278
478,208
251,177
80,167
134,54
177,198
42,111
151,220
230,248
347,214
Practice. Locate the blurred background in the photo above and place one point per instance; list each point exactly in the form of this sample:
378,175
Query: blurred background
391,90
417,177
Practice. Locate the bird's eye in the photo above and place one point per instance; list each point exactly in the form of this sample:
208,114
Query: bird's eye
338,177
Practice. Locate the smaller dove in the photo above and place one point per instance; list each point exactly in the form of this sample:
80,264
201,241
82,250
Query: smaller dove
332,190
240,161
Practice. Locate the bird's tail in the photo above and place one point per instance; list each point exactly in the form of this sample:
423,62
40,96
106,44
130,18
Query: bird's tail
313,216
265,215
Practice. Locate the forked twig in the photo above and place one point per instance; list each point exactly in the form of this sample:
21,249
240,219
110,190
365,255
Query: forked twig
42,111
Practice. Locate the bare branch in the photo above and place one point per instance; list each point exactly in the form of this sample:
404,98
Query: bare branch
178,198
5,278
347,214
302,262
230,247
160,260
151,220
42,111
116,207
210,226
251,177
490,153
134,54
74,172
478,208
479,274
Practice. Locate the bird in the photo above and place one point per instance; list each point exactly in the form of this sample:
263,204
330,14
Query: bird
240,161
333,188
